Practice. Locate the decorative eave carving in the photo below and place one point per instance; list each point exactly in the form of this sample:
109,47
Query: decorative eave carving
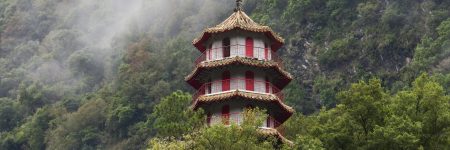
245,95
239,60
238,20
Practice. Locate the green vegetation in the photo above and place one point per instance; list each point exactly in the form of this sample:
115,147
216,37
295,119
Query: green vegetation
102,74
172,118
366,118
369,118
332,43
244,136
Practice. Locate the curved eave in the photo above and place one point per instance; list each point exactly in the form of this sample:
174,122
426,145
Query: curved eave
198,42
274,132
239,20
269,98
237,60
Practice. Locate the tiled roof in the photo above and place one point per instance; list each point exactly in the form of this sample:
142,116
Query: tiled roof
240,60
244,94
239,20
274,132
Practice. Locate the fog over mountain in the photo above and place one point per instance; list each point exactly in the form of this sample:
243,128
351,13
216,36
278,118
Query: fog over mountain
89,74
48,38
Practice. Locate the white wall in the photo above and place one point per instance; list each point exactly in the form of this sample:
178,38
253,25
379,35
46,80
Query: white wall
237,42
238,80
236,113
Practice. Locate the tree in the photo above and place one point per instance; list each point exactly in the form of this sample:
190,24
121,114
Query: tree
244,136
103,77
432,109
173,117
81,129
368,118
363,102
295,96
327,90
307,142
10,114
31,96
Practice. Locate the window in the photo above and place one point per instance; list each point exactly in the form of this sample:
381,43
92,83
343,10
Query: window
266,51
226,114
226,81
249,47
249,81
226,47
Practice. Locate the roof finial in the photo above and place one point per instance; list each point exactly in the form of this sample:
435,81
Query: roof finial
238,6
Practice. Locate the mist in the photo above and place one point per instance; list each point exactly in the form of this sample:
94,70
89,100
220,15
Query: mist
109,74
62,42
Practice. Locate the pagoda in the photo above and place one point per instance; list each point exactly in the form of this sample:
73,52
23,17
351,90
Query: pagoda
239,69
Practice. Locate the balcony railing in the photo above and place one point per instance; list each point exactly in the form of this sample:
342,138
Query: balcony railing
219,53
250,85
238,119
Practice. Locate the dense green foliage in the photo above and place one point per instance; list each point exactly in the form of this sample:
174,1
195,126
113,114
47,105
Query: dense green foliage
172,118
369,118
244,136
366,118
101,74
331,43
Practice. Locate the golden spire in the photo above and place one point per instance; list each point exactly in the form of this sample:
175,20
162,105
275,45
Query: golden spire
238,6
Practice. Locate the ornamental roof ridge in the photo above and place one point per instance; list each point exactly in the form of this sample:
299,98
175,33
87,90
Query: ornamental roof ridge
239,20
245,94
241,60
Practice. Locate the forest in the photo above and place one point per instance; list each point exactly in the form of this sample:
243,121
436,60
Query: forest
109,74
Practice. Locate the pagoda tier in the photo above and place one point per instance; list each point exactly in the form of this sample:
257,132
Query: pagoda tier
238,47
246,83
197,77
277,110
238,69
238,20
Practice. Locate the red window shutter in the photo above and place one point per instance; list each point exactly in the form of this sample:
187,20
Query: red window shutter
226,114
226,81
226,47
266,52
203,90
249,81
267,85
249,47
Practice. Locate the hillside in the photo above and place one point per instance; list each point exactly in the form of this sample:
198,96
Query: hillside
88,74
